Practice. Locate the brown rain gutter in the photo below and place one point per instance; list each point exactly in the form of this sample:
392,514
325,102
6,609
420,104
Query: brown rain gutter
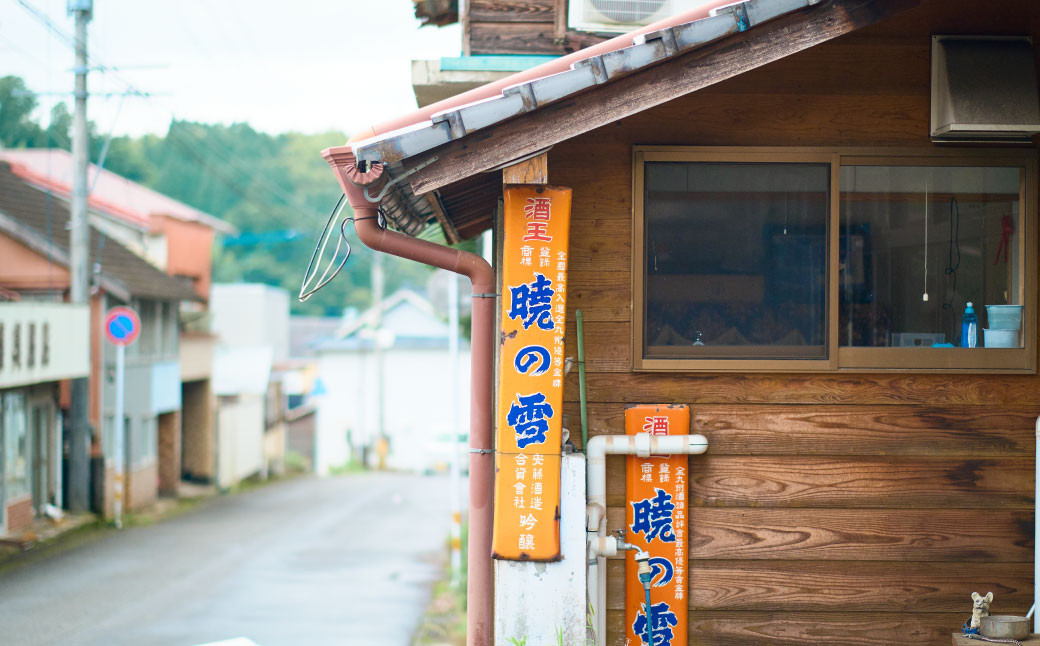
479,594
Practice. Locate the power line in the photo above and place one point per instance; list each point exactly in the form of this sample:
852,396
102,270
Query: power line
228,158
190,145
70,42
220,174
45,20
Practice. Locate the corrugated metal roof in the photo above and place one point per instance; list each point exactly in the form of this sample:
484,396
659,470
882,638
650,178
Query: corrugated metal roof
34,217
464,208
647,49
111,193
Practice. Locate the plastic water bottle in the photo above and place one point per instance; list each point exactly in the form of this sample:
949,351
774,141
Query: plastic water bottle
969,328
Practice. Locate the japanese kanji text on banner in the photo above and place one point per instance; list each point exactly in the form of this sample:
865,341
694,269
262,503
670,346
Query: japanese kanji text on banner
656,523
530,387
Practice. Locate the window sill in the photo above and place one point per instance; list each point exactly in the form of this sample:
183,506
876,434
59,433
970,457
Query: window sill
866,360
1011,360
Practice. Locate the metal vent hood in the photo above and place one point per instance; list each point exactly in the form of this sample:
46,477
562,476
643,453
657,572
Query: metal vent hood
984,88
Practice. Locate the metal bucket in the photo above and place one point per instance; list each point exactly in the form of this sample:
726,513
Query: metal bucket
1004,627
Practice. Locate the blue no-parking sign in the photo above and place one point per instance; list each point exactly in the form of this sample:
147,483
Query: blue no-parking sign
122,326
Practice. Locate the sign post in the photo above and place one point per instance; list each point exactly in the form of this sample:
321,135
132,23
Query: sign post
530,387
656,522
122,327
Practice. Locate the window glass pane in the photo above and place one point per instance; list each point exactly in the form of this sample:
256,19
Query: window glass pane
16,445
143,436
736,260
149,328
918,243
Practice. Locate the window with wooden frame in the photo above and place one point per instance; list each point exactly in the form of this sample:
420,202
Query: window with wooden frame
828,259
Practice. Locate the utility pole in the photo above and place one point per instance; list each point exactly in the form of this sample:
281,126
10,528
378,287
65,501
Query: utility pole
79,241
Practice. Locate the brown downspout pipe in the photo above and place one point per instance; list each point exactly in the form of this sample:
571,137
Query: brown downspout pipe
482,277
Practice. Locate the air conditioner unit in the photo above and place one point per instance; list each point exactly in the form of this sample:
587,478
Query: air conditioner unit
622,15
984,89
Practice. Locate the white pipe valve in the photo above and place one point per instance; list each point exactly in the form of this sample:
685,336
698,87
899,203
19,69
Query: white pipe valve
599,544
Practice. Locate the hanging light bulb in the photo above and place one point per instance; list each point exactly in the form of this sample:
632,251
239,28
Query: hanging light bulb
785,213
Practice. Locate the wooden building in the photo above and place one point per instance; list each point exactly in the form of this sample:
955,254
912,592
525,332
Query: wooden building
764,228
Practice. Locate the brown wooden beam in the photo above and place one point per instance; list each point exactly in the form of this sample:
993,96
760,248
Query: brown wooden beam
560,21
528,38
511,10
530,171
447,226
643,90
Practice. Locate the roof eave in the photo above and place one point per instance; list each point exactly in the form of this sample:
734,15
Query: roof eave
54,253
659,67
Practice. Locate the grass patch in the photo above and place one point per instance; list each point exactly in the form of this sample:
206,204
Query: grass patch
13,557
163,510
444,622
348,467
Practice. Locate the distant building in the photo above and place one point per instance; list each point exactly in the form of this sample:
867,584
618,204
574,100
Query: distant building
173,236
251,322
41,344
299,377
178,239
34,242
356,408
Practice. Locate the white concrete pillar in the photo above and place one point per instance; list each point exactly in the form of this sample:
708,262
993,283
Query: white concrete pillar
541,601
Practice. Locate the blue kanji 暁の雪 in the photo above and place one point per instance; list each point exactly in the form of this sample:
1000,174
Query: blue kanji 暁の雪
532,360
653,517
529,417
532,303
664,619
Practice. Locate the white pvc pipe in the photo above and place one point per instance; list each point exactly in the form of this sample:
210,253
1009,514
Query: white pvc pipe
600,545
1036,536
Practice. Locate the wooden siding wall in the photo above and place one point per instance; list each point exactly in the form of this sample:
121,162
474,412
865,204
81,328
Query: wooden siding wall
839,509
522,27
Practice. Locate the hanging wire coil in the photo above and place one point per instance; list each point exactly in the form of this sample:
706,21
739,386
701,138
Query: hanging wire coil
306,288
397,205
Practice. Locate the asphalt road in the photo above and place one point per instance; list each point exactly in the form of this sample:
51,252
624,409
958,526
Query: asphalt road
347,560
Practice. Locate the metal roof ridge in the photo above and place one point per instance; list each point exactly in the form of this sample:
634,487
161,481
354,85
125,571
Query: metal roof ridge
54,252
189,213
64,192
648,48
57,252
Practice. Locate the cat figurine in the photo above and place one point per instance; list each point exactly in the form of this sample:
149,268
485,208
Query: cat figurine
979,609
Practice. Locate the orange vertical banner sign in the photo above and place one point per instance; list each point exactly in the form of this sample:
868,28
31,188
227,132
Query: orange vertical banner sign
530,375
655,518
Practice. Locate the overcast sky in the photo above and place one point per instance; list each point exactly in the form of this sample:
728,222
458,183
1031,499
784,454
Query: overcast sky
305,65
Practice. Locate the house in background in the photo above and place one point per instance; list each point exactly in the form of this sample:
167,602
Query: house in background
34,238
241,380
173,236
501,39
41,344
251,323
177,239
299,380
363,369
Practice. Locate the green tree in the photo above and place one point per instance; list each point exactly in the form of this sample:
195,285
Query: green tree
58,131
275,189
17,129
